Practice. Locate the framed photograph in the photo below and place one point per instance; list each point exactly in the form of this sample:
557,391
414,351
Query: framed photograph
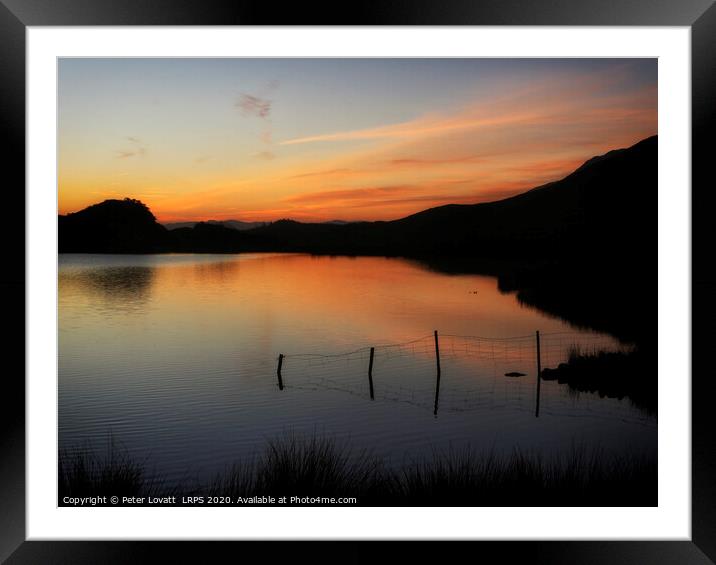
425,274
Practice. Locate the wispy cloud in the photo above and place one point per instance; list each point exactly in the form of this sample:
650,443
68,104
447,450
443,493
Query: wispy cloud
258,106
125,154
253,105
138,149
330,172
264,155
422,127
424,162
349,194
580,100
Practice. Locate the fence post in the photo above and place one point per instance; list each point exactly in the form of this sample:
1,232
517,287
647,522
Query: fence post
278,371
437,382
539,374
370,372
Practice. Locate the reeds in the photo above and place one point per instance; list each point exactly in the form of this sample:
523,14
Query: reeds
302,466
85,472
321,467
582,477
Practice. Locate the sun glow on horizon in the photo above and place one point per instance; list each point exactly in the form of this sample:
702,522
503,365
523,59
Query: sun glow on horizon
329,139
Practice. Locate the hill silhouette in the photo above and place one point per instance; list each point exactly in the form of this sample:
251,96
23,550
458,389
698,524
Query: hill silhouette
597,207
582,248
206,237
112,226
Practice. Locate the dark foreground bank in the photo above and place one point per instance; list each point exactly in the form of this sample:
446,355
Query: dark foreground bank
310,471
614,374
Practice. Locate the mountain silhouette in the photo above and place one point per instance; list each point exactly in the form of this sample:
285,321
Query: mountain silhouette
597,207
583,248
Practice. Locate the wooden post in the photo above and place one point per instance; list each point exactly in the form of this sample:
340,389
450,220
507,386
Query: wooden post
370,372
539,374
278,371
437,382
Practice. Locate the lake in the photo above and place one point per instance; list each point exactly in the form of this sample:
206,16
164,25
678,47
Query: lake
175,358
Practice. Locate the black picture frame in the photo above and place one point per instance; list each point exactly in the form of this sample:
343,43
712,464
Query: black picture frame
16,15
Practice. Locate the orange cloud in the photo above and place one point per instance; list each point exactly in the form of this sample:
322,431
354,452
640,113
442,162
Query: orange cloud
422,127
349,194
330,172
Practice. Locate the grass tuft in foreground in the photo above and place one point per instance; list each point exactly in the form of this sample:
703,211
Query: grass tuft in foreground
302,466
84,472
320,467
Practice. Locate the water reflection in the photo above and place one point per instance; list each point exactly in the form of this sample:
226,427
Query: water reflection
191,374
118,284
217,272
125,289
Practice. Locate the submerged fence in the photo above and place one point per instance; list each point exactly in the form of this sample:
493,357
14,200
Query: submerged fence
446,372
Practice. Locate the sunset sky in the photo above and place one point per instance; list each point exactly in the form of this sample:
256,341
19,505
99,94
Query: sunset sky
325,139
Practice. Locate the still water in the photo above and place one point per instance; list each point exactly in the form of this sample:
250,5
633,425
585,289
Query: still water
175,357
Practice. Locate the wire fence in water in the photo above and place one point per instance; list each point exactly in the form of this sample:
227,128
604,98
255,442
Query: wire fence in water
460,373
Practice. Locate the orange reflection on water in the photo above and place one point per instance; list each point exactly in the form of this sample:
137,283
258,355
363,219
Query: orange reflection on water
297,302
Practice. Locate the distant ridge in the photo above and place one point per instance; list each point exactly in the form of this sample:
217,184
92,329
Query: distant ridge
232,224
583,247
594,206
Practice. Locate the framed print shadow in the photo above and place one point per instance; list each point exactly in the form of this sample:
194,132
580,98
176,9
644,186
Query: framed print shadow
367,280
